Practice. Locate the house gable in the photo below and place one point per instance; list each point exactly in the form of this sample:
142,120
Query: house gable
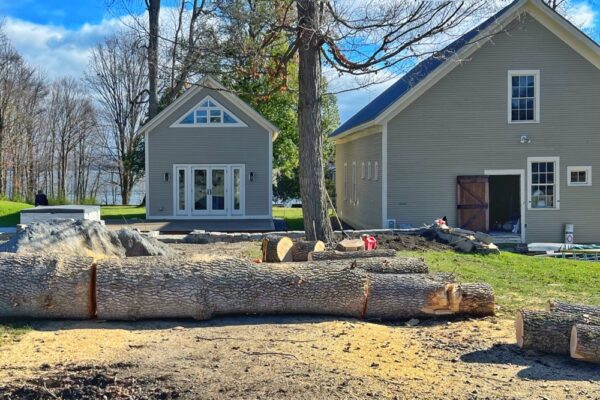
208,113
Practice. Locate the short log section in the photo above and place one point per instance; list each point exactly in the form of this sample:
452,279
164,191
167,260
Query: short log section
585,343
344,255
549,332
277,249
561,306
302,248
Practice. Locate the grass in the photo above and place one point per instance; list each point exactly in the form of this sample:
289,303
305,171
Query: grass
12,331
292,216
522,281
9,212
120,212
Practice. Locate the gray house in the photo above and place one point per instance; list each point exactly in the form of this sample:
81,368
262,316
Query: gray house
499,132
209,157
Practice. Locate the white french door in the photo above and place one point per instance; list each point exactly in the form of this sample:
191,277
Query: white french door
209,190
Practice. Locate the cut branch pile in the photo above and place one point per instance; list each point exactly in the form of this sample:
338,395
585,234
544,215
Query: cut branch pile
564,328
171,287
464,240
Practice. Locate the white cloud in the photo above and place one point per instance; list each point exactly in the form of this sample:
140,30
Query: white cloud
582,15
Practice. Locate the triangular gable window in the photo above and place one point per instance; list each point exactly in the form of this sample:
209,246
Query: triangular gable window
209,113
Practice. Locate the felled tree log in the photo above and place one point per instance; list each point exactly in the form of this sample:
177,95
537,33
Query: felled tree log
344,255
585,343
546,331
178,288
379,265
277,249
350,245
46,287
561,306
302,248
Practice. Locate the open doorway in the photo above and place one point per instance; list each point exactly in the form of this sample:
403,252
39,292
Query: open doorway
505,202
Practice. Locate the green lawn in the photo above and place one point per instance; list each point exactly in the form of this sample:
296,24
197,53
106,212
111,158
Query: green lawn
120,212
292,216
522,281
9,212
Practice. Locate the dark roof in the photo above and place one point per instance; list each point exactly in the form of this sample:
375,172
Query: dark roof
414,76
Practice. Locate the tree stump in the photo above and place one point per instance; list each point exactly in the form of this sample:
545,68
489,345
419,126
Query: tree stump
344,255
561,306
546,331
46,287
277,249
302,248
585,343
351,245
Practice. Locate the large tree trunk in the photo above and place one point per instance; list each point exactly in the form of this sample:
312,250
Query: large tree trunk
176,288
377,265
548,331
585,343
46,287
345,255
561,306
302,248
312,174
153,7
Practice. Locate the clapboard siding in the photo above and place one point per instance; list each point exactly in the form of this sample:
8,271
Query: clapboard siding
459,127
205,145
366,213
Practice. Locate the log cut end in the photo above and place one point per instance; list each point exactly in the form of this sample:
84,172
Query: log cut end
277,249
472,299
573,344
519,328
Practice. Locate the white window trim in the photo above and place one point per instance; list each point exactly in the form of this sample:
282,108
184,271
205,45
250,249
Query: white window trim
556,161
369,170
363,172
376,171
588,174
353,194
345,181
536,80
179,124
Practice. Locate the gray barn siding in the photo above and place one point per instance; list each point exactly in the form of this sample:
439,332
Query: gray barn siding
232,145
459,127
367,212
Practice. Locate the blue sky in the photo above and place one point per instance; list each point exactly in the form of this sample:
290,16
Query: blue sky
56,35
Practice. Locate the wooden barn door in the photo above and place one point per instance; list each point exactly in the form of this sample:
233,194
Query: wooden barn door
472,202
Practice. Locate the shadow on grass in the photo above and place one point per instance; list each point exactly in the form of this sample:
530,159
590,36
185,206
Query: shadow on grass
9,220
540,366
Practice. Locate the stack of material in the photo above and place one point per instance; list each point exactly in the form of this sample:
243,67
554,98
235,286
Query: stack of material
570,329
465,240
174,287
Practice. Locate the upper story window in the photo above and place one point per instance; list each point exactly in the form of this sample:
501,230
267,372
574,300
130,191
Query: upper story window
523,96
209,113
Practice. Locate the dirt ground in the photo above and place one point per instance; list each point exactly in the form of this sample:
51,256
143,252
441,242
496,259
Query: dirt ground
277,357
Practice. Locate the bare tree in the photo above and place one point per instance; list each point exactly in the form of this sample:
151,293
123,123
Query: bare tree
153,7
118,77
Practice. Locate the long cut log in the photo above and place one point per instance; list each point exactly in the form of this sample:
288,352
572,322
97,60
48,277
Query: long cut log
561,306
344,255
379,265
277,249
302,248
585,343
46,287
546,331
155,287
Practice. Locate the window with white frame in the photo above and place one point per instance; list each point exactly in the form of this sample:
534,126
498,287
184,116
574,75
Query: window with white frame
209,113
579,176
363,172
523,96
345,181
376,171
544,180
369,170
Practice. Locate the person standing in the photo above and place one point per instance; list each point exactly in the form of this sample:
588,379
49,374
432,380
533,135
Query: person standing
41,199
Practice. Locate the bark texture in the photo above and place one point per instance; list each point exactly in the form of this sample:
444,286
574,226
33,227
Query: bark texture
378,265
148,287
277,249
46,287
344,255
312,172
561,306
302,248
546,331
585,343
